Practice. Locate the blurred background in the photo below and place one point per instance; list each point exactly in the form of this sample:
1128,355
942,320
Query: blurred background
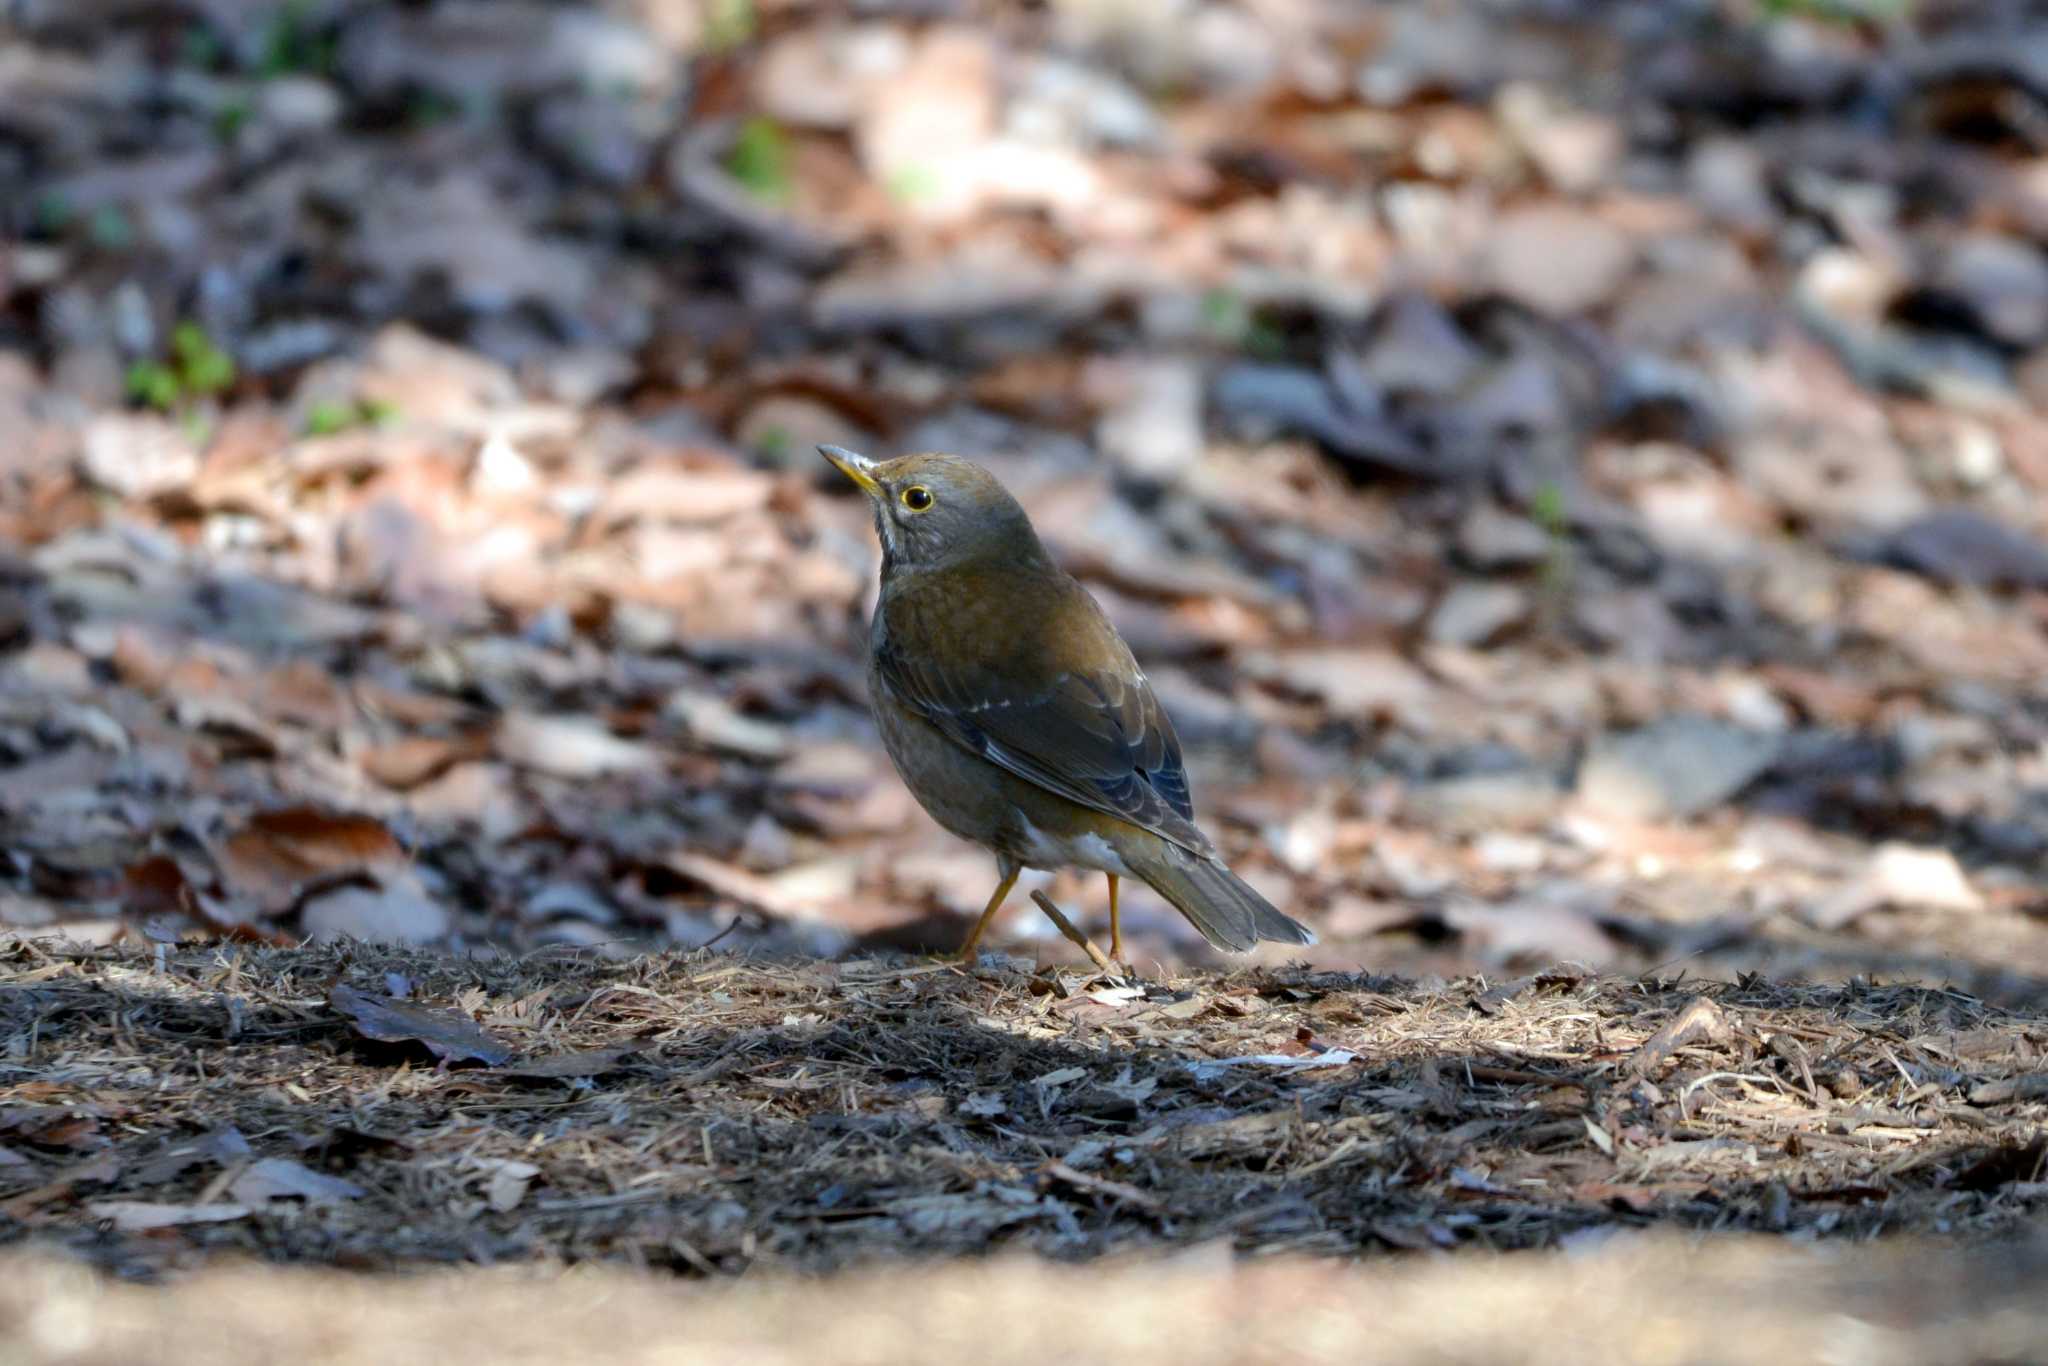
1573,470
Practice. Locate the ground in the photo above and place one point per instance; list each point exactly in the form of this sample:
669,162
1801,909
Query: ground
1576,473
702,1116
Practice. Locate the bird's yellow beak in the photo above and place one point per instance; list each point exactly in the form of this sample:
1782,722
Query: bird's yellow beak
854,466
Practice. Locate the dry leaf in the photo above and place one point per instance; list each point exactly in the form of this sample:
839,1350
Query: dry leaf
156,886
280,1178
411,760
447,1034
571,747
278,851
738,885
1700,1018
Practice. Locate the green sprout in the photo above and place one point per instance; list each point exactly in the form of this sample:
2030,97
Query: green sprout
155,384
204,366
231,118
291,46
197,368
1550,510
761,159
328,416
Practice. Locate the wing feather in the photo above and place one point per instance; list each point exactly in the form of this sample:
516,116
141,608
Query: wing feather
1059,701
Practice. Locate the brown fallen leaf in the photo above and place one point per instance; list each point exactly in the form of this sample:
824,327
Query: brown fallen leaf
1700,1018
404,707
156,886
448,1034
303,693
278,851
739,886
411,760
49,1126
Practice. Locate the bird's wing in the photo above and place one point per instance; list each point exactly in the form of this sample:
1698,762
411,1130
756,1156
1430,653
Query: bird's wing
1056,699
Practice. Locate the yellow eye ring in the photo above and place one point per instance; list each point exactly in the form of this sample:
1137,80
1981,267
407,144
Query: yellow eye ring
917,497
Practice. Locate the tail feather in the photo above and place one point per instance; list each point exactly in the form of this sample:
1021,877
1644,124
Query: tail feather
1215,900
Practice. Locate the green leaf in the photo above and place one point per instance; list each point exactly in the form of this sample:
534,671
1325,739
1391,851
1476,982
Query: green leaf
203,367
1549,511
153,383
230,118
760,159
288,43
327,417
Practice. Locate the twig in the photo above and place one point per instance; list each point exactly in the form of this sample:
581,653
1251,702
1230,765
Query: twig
1116,1190
736,920
1066,927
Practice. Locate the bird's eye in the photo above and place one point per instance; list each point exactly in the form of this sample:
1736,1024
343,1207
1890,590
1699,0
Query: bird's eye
917,497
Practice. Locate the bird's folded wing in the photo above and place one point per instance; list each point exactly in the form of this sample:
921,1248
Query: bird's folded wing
1094,736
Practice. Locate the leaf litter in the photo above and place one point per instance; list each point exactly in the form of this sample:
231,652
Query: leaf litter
1506,502
716,1114
1545,549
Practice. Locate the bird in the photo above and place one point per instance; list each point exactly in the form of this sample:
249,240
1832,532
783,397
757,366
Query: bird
1018,717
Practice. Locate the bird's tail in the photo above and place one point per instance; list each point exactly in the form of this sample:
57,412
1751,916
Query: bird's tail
1218,902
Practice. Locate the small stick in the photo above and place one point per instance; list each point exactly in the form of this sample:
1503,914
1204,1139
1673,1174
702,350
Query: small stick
1066,927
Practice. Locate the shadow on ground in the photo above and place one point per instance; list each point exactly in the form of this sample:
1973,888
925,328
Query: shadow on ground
708,1115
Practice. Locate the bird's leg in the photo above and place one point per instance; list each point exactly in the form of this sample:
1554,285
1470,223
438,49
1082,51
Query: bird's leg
1116,930
1009,871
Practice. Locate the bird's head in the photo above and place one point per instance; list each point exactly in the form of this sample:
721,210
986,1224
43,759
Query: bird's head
937,511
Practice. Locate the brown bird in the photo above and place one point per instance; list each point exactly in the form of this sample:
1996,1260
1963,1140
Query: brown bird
1015,712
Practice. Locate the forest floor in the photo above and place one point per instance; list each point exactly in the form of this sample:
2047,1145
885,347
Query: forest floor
1576,473
707,1117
